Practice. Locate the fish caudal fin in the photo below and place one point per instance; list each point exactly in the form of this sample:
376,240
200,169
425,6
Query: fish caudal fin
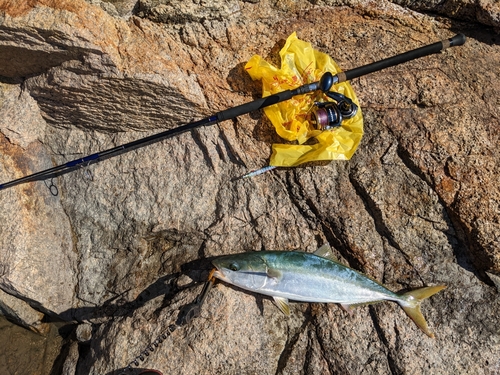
411,306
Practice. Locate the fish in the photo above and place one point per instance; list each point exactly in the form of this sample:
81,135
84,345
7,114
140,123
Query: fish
314,277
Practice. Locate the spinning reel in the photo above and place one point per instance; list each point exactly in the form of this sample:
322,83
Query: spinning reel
328,115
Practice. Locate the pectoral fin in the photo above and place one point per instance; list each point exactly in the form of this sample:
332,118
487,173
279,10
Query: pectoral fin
282,304
274,274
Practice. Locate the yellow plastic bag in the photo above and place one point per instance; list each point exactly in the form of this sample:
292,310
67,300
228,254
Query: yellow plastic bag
301,64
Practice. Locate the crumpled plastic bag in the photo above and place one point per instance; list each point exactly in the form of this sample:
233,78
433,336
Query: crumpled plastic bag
301,64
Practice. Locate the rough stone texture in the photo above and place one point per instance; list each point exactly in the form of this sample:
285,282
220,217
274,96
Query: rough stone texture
181,12
38,352
38,261
100,72
22,314
483,11
127,242
486,12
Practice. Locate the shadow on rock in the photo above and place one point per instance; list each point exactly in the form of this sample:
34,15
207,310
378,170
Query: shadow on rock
166,286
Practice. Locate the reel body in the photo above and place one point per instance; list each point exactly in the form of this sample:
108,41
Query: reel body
329,115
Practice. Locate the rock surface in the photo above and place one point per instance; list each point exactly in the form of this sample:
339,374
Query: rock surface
127,243
38,352
486,12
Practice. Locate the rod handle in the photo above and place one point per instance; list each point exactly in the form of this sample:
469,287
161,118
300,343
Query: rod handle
457,40
253,106
265,102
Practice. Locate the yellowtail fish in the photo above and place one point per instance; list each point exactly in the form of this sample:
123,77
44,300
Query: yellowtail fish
306,277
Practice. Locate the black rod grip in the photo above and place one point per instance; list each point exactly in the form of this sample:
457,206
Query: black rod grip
266,101
255,105
457,40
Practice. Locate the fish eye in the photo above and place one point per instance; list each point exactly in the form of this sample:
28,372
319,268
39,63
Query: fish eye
234,267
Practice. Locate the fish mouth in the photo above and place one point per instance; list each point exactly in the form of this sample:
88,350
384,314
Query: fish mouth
216,273
219,274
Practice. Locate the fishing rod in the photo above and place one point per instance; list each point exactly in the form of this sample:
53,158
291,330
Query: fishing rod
325,116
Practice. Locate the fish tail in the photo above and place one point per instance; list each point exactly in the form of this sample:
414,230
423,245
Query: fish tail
411,305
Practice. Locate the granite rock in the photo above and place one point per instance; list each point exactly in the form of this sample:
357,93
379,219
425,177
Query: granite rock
127,243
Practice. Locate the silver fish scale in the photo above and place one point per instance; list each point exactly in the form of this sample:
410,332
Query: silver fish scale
310,278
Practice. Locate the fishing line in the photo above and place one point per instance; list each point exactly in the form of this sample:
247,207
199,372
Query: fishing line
186,315
88,176
324,116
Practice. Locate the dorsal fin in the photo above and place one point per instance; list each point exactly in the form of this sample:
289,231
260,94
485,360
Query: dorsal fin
325,251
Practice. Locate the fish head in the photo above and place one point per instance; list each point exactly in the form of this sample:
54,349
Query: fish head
245,270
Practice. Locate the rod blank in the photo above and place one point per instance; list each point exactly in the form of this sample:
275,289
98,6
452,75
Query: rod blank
231,113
